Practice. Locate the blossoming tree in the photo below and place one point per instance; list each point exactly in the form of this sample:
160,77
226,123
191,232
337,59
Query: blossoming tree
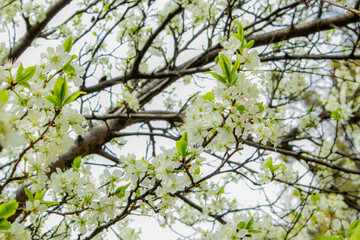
224,98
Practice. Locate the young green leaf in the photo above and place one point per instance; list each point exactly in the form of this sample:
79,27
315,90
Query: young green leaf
76,163
29,194
356,233
67,68
68,44
24,84
61,89
209,97
4,224
269,165
4,96
120,191
240,31
197,171
241,225
236,65
54,100
73,96
19,72
250,223
218,77
181,146
261,107
221,191
225,65
27,74
241,108
184,137
234,79
336,114
250,44
353,225
253,231
8,209
38,195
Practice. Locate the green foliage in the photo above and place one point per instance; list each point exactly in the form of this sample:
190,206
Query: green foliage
248,226
336,114
7,209
68,44
182,145
39,195
230,75
60,93
240,35
24,75
76,163
120,191
4,96
269,165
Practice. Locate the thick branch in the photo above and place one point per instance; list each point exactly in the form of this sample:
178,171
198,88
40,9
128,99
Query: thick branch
142,116
34,31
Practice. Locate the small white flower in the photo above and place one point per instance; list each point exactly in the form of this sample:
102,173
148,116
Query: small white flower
336,224
345,224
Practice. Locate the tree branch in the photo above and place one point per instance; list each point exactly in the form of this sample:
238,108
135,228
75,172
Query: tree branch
34,31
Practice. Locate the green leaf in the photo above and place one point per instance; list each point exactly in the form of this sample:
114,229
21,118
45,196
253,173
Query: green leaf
4,224
277,167
209,97
4,96
26,74
29,194
241,108
67,68
236,65
221,191
240,31
241,225
314,197
218,77
184,137
24,84
261,107
250,44
73,96
76,163
19,72
182,144
120,191
61,89
38,195
310,110
181,147
234,79
68,44
250,223
54,100
356,234
106,6
197,171
225,65
8,209
336,114
269,165
353,225
253,231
